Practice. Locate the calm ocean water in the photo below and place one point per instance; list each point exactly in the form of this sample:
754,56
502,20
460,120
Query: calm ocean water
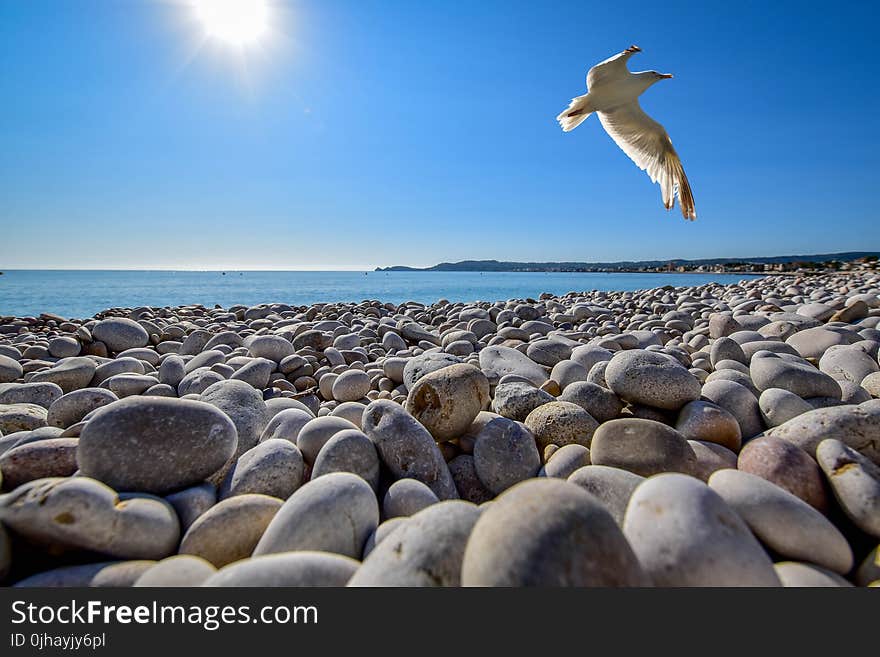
81,294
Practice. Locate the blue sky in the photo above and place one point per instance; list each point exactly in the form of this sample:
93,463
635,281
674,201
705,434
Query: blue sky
367,133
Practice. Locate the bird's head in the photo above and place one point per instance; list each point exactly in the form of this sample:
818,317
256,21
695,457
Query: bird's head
654,76
648,78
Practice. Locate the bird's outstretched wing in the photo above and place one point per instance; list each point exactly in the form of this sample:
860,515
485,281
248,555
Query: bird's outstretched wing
648,145
613,67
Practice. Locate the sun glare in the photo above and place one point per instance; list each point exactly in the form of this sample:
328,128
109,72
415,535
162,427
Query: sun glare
236,22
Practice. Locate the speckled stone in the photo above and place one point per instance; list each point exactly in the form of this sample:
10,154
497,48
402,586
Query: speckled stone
74,406
650,378
516,399
496,361
468,484
561,423
10,369
349,451
69,374
21,417
739,402
119,334
315,434
802,379
51,457
179,570
274,467
778,406
599,402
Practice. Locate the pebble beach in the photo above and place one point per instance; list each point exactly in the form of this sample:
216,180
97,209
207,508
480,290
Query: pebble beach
707,435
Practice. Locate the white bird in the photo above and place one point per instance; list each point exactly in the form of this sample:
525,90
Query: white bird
613,93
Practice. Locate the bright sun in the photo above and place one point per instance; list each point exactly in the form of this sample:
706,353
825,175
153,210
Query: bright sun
236,22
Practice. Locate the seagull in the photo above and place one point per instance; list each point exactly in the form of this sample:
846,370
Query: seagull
613,94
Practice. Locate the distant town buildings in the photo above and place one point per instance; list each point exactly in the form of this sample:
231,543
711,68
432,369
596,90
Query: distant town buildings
868,263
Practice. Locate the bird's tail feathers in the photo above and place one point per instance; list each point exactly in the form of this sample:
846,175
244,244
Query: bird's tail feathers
576,113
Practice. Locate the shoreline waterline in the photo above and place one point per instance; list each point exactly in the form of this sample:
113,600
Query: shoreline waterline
83,293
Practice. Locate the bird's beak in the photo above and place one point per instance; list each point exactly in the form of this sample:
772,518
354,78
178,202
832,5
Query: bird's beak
666,76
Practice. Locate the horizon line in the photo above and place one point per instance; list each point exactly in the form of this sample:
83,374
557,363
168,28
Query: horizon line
181,269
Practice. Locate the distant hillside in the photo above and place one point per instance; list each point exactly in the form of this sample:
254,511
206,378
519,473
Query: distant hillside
497,265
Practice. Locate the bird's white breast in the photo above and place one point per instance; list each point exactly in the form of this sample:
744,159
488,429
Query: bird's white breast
615,92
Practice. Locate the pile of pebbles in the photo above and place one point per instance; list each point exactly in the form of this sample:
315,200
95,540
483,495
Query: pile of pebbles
694,436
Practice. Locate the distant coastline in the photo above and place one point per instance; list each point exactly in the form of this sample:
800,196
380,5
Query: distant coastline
847,261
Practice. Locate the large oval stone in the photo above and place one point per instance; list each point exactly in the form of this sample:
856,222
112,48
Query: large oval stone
784,523
334,513
786,465
739,401
74,406
230,529
684,534
349,451
274,467
406,448
78,513
548,532
505,454
50,457
154,444
561,423
497,361
119,334
644,447
69,374
650,378
802,379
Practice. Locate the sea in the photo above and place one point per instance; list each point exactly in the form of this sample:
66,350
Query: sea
82,293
